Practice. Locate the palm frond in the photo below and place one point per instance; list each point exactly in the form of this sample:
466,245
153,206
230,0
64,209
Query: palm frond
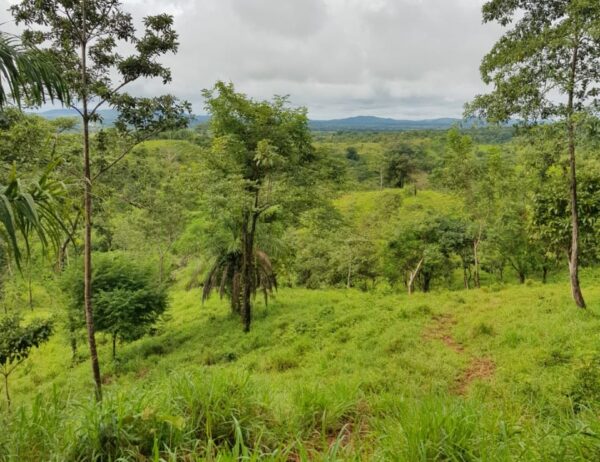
28,75
226,277
32,208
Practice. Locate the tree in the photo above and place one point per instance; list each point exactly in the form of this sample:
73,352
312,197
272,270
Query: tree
546,66
352,153
128,300
16,343
331,250
400,164
30,75
422,250
84,37
259,152
551,215
461,174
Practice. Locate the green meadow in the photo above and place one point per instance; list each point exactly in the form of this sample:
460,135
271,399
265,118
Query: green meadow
502,373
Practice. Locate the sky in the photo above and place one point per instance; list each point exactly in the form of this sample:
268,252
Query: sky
405,59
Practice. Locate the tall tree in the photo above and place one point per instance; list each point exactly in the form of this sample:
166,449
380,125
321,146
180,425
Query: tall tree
545,66
259,152
85,36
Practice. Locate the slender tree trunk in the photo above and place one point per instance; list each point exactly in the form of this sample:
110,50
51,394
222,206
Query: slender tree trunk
247,270
348,279
544,274
87,207
413,276
476,258
248,232
426,281
574,251
7,394
63,255
114,346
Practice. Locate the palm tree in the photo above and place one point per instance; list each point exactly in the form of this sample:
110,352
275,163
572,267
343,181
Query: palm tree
28,75
225,276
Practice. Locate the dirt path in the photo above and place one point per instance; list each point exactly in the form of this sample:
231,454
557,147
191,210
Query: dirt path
479,368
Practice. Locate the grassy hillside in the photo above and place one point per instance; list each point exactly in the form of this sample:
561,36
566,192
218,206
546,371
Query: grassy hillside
337,374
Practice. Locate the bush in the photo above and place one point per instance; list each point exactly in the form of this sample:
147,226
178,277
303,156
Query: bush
585,392
127,298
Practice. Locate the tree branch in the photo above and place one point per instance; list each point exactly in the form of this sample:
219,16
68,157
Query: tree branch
110,94
123,154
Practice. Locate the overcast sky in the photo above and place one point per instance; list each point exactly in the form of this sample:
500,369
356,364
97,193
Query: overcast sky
391,58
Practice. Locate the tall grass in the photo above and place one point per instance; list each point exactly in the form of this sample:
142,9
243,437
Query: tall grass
328,375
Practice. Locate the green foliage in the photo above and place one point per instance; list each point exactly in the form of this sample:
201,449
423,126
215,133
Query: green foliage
261,161
551,211
102,30
401,162
585,391
16,343
536,54
30,208
225,277
352,153
30,75
128,300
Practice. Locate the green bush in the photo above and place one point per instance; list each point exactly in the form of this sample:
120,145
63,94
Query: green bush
127,298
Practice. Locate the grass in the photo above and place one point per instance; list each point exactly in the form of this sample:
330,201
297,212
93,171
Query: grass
328,375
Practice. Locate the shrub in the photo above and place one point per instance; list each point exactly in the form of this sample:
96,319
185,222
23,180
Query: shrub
127,298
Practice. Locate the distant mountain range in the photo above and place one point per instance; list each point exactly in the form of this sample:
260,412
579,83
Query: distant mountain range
379,123
107,116
358,123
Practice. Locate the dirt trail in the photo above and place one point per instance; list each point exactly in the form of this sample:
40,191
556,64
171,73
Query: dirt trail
479,368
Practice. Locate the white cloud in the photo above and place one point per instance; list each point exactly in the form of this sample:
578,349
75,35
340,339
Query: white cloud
398,58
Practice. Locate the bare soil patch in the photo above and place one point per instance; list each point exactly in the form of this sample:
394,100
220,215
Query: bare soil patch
479,368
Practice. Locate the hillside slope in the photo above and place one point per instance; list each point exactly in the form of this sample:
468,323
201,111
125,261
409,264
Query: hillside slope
505,374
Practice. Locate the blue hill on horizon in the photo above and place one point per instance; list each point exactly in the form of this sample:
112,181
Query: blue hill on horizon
355,123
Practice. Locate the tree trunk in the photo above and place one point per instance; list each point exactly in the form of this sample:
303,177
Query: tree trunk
544,274
73,341
114,346
248,232
247,269
87,206
413,276
522,277
426,281
348,279
574,254
476,260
